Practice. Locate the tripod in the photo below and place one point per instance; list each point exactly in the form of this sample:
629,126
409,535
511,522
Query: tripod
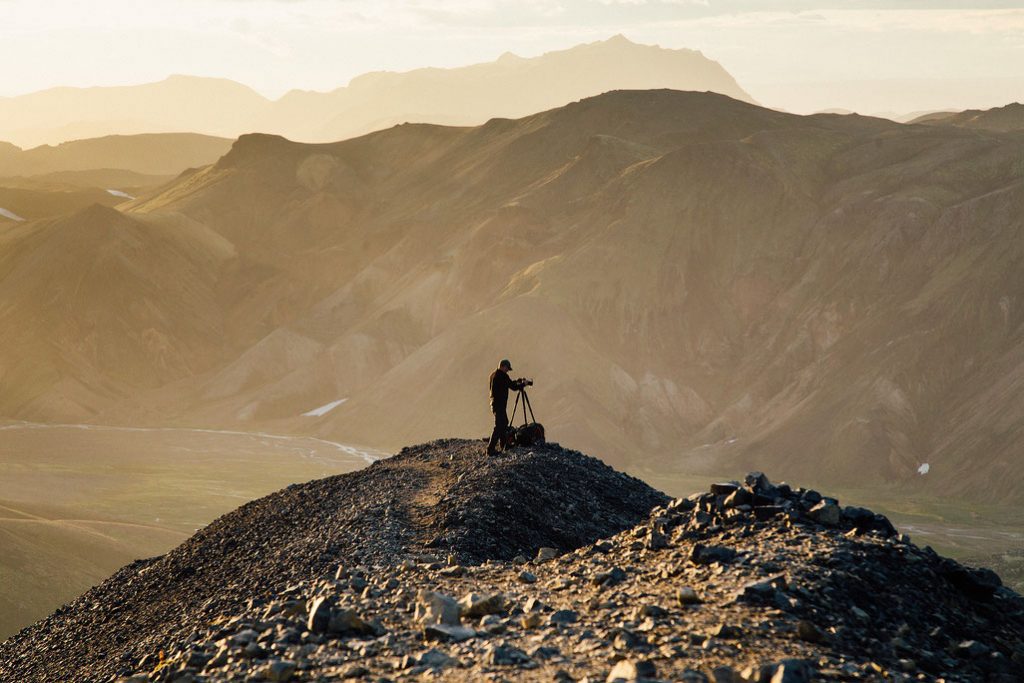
530,433
526,406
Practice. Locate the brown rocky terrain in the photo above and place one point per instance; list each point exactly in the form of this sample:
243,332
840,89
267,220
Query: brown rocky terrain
127,298
418,566
695,282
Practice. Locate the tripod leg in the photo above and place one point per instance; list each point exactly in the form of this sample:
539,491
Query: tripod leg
526,405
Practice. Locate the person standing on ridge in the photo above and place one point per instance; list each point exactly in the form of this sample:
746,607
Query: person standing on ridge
500,384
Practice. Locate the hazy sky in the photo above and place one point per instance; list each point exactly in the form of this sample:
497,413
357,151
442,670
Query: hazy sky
799,54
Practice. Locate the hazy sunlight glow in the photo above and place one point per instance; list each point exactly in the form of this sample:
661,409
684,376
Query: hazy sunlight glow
803,56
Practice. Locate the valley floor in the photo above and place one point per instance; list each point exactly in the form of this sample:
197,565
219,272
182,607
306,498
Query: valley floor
77,502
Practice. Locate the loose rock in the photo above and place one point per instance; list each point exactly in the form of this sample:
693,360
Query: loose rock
628,671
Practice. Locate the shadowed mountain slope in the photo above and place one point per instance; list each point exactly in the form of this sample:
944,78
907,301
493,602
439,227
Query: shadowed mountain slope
124,304
694,281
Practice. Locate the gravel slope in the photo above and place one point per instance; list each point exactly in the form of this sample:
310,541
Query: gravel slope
744,583
418,567
445,494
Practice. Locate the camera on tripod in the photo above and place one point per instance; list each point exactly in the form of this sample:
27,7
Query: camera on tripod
531,432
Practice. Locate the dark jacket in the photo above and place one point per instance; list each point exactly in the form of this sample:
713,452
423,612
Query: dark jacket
500,385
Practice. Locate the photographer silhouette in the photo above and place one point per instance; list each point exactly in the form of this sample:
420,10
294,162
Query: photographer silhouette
500,384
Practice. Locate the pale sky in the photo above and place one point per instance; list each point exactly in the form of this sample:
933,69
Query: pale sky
803,55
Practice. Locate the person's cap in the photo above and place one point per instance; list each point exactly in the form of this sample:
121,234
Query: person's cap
505,362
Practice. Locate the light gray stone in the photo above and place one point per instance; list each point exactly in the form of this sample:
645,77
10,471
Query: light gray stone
628,671
437,608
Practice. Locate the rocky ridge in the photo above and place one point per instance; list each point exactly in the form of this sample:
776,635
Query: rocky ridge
442,564
746,582
444,496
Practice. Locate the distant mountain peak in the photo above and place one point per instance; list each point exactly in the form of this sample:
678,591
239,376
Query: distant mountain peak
254,146
1009,117
510,58
95,223
511,86
96,213
619,42
619,39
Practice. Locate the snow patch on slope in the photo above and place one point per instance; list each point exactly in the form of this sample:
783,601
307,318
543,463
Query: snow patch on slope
119,193
8,214
324,409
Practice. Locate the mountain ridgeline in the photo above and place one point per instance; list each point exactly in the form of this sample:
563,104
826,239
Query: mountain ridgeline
1001,119
45,181
155,154
692,280
509,86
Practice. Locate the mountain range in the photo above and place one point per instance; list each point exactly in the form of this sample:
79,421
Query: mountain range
1001,119
158,155
511,86
47,181
695,282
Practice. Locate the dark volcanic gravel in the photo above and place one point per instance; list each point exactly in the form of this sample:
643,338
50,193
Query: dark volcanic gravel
545,497
446,494
419,568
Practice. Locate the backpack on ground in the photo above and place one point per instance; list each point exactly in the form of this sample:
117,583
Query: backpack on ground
530,433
